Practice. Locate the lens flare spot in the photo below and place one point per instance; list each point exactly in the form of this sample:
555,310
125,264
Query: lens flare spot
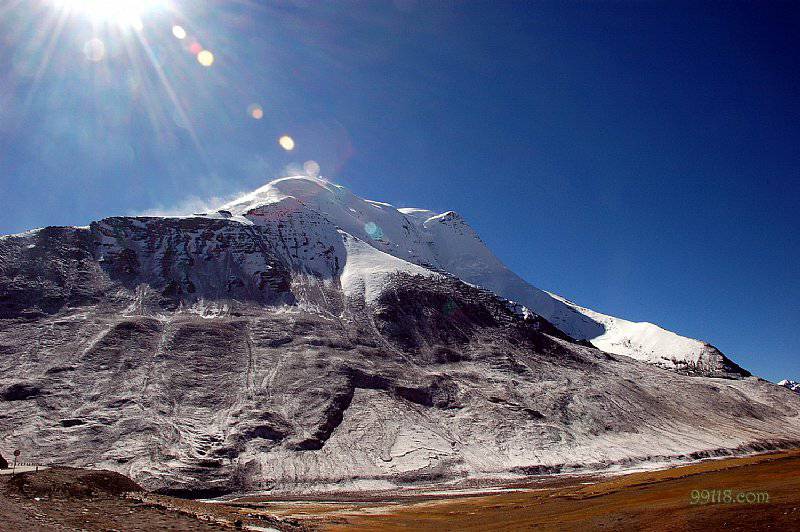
255,111
373,230
195,48
286,142
311,168
94,50
205,58
179,32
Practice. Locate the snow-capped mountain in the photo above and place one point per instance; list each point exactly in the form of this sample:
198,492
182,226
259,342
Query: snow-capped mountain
446,242
302,338
792,385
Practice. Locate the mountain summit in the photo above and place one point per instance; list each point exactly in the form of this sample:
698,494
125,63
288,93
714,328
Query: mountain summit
302,338
445,242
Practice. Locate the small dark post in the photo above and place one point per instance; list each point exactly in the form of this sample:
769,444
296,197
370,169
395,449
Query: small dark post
16,454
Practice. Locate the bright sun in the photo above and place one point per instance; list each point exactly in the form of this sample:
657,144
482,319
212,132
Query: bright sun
122,12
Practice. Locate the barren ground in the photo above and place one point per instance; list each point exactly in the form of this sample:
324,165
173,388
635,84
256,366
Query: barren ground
657,500
654,500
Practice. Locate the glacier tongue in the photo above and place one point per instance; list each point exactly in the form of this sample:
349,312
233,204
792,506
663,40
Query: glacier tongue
445,242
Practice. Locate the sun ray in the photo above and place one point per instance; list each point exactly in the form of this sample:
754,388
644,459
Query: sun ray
46,56
165,87
10,6
174,99
123,13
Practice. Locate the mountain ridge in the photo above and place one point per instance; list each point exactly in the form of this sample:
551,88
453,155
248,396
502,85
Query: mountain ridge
446,242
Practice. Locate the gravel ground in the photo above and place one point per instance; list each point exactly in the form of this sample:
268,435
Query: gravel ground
75,499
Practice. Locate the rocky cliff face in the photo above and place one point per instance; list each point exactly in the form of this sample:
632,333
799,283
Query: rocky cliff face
279,351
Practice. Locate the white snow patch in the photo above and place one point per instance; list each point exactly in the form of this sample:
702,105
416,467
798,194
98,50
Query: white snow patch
641,340
21,235
367,269
792,385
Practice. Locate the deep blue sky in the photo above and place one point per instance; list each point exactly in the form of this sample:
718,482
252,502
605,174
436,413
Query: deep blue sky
641,158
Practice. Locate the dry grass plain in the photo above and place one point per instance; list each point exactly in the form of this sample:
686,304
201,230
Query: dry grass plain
655,500
647,501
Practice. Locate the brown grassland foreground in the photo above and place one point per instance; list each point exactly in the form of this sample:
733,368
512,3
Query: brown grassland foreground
70,499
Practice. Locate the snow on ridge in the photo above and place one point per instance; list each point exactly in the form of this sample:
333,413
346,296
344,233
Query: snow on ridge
303,188
371,231
460,251
446,242
418,214
381,238
642,340
792,385
23,234
366,269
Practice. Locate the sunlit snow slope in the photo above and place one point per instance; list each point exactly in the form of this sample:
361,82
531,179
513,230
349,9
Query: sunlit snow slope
445,242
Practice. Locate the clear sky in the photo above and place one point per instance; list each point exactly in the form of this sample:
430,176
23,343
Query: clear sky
641,159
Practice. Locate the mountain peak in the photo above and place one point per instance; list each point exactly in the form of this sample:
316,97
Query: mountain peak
306,189
446,242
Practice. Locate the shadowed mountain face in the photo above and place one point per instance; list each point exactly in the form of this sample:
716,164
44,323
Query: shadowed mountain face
218,354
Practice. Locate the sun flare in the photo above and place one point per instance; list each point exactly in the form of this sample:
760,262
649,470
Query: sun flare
125,13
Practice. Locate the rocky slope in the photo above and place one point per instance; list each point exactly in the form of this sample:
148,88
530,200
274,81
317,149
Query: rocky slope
266,346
